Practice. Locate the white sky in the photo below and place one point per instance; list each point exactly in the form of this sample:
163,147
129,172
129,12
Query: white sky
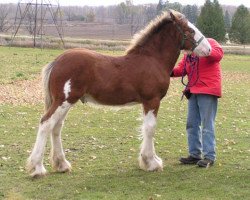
115,2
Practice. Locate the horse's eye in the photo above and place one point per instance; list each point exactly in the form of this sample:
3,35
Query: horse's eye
192,32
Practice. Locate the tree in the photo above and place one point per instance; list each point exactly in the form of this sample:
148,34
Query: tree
240,30
175,6
90,16
68,13
166,6
191,13
137,18
211,20
219,31
128,13
4,12
123,13
150,13
160,7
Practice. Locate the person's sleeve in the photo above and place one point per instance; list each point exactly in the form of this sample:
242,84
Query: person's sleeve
216,52
178,70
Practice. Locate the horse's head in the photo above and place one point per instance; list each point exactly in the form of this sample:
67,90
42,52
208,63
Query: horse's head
192,39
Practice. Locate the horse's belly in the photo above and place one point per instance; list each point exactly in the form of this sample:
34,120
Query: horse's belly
107,101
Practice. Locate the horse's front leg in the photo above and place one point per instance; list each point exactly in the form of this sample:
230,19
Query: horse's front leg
148,160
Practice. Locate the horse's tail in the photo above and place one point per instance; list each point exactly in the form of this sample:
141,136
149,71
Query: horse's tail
45,79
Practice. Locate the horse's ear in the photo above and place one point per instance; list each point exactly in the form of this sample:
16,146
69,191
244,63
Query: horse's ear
172,15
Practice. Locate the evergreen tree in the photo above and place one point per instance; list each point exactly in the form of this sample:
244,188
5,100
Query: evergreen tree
211,20
219,25
204,20
240,29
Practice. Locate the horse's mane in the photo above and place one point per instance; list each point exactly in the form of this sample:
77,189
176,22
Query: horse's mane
154,26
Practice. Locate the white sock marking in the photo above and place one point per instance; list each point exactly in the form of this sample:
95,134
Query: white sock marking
148,130
45,129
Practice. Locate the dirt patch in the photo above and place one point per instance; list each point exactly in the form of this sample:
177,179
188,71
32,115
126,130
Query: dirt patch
22,92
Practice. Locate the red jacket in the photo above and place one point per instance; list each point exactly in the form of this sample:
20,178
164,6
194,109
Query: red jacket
206,78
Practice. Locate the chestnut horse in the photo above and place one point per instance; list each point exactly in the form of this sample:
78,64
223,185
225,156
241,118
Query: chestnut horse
141,76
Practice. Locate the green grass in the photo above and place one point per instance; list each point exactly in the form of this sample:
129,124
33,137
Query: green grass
23,63
26,63
102,144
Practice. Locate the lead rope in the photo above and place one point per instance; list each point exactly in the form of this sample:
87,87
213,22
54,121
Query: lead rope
194,64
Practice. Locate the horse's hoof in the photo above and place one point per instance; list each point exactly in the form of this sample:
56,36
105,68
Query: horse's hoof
35,170
63,167
150,164
38,174
39,171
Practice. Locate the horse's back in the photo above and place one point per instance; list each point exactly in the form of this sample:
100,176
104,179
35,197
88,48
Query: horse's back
92,73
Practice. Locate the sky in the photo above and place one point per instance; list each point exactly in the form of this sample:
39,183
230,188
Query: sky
115,2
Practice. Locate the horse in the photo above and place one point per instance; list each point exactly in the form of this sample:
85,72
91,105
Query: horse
140,76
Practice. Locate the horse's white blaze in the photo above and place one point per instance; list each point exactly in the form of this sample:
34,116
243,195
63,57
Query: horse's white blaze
67,88
148,160
203,48
36,158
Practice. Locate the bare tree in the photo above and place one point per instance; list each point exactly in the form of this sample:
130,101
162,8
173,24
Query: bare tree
4,12
68,12
136,19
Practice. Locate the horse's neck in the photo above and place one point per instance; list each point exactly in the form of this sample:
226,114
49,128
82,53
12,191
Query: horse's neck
162,47
168,44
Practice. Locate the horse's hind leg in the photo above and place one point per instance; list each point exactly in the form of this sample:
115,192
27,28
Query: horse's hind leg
35,161
58,159
148,160
46,127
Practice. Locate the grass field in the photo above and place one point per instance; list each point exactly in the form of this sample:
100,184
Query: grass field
102,144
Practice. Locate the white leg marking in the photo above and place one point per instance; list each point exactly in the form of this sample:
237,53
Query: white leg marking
35,161
67,88
58,159
148,160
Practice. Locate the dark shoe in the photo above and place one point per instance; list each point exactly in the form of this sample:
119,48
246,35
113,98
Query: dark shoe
205,163
189,160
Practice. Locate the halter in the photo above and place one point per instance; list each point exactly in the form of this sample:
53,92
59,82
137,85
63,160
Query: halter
185,38
197,43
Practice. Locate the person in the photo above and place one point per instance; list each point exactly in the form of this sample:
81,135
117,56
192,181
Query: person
202,90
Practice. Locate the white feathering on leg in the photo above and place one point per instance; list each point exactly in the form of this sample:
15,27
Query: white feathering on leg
148,160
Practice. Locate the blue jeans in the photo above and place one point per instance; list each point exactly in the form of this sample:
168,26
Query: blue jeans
202,109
